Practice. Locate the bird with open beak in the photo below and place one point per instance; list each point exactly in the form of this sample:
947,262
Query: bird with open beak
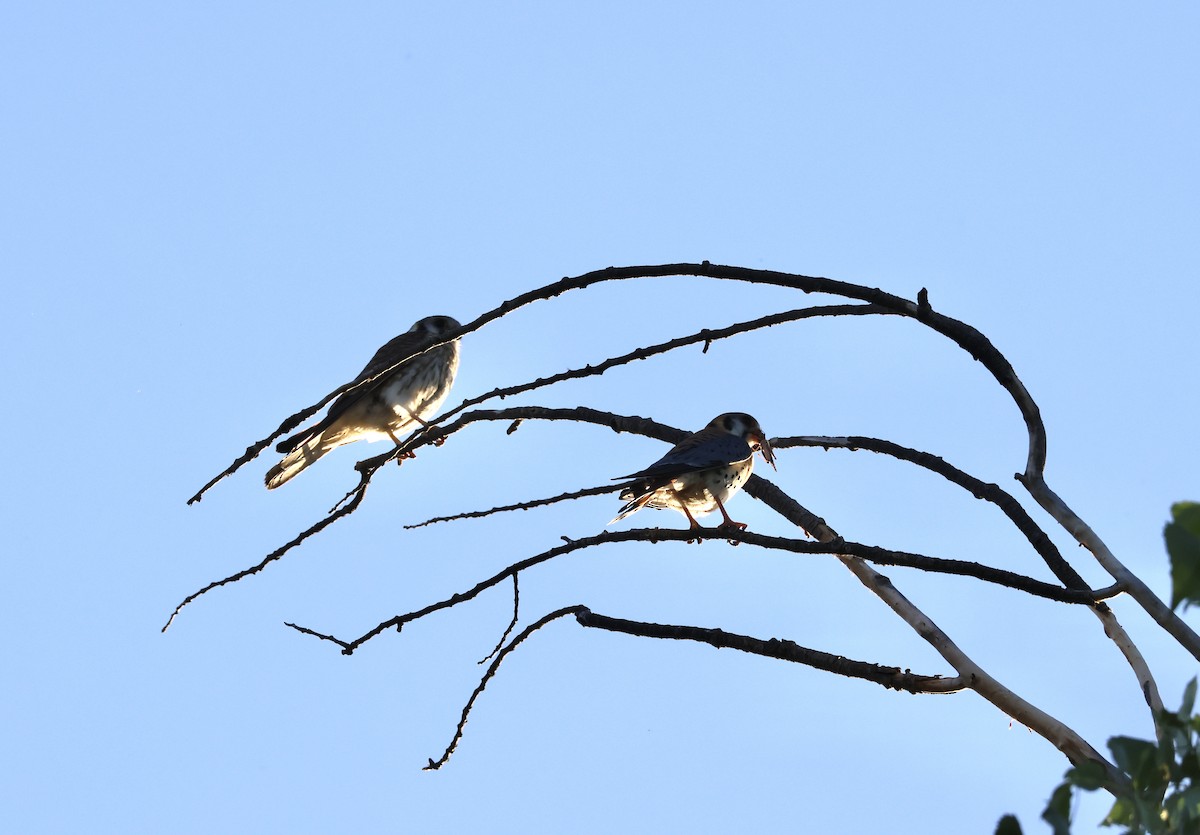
702,472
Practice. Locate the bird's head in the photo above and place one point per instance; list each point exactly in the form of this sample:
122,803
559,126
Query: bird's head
435,325
746,427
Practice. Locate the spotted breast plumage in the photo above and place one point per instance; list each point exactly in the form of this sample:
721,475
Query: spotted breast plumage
385,408
702,472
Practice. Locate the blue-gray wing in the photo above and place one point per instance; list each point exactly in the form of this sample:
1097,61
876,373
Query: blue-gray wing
695,453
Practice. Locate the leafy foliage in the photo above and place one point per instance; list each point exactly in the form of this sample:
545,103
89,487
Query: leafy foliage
1164,777
1183,545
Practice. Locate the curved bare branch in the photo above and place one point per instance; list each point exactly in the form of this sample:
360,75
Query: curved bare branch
487,676
705,336
1025,524
838,546
890,677
965,336
512,624
1066,740
1011,508
893,678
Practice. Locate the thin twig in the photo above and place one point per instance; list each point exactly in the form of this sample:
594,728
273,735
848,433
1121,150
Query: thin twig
367,468
487,676
278,553
892,678
562,497
889,677
511,624
839,546
706,336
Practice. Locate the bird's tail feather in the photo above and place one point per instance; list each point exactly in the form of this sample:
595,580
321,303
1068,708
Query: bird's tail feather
636,503
304,454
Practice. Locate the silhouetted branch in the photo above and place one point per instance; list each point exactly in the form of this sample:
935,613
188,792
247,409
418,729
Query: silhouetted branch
1159,611
294,420
881,556
853,555
1071,744
436,435
1024,523
562,497
304,630
278,553
706,336
512,623
487,676
1011,508
893,678
890,677
964,335
967,338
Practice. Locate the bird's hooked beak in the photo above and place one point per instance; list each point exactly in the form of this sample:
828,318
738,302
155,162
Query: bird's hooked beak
764,447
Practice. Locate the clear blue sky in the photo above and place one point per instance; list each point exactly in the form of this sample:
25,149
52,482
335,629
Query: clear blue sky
213,215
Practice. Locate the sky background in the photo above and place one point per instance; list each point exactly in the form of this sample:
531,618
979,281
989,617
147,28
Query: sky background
214,214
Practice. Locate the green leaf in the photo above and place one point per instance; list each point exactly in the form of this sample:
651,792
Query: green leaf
1058,810
1139,759
1008,826
1089,776
1183,545
1189,766
1183,808
1120,813
1189,701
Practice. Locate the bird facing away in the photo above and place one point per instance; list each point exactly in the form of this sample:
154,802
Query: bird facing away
383,409
702,472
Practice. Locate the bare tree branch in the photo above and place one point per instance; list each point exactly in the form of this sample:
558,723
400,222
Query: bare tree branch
1024,523
436,435
487,676
965,336
562,497
1159,611
893,678
853,555
619,423
971,341
278,553
511,624
890,677
1071,744
706,336
836,546
1011,508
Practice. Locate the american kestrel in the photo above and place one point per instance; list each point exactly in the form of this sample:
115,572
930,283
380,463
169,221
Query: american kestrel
385,409
701,472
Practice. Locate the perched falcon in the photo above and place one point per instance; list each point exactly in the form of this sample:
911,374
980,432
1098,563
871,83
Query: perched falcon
384,409
702,472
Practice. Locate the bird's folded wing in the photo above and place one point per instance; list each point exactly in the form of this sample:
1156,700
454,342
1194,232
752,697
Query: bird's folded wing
390,354
714,452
